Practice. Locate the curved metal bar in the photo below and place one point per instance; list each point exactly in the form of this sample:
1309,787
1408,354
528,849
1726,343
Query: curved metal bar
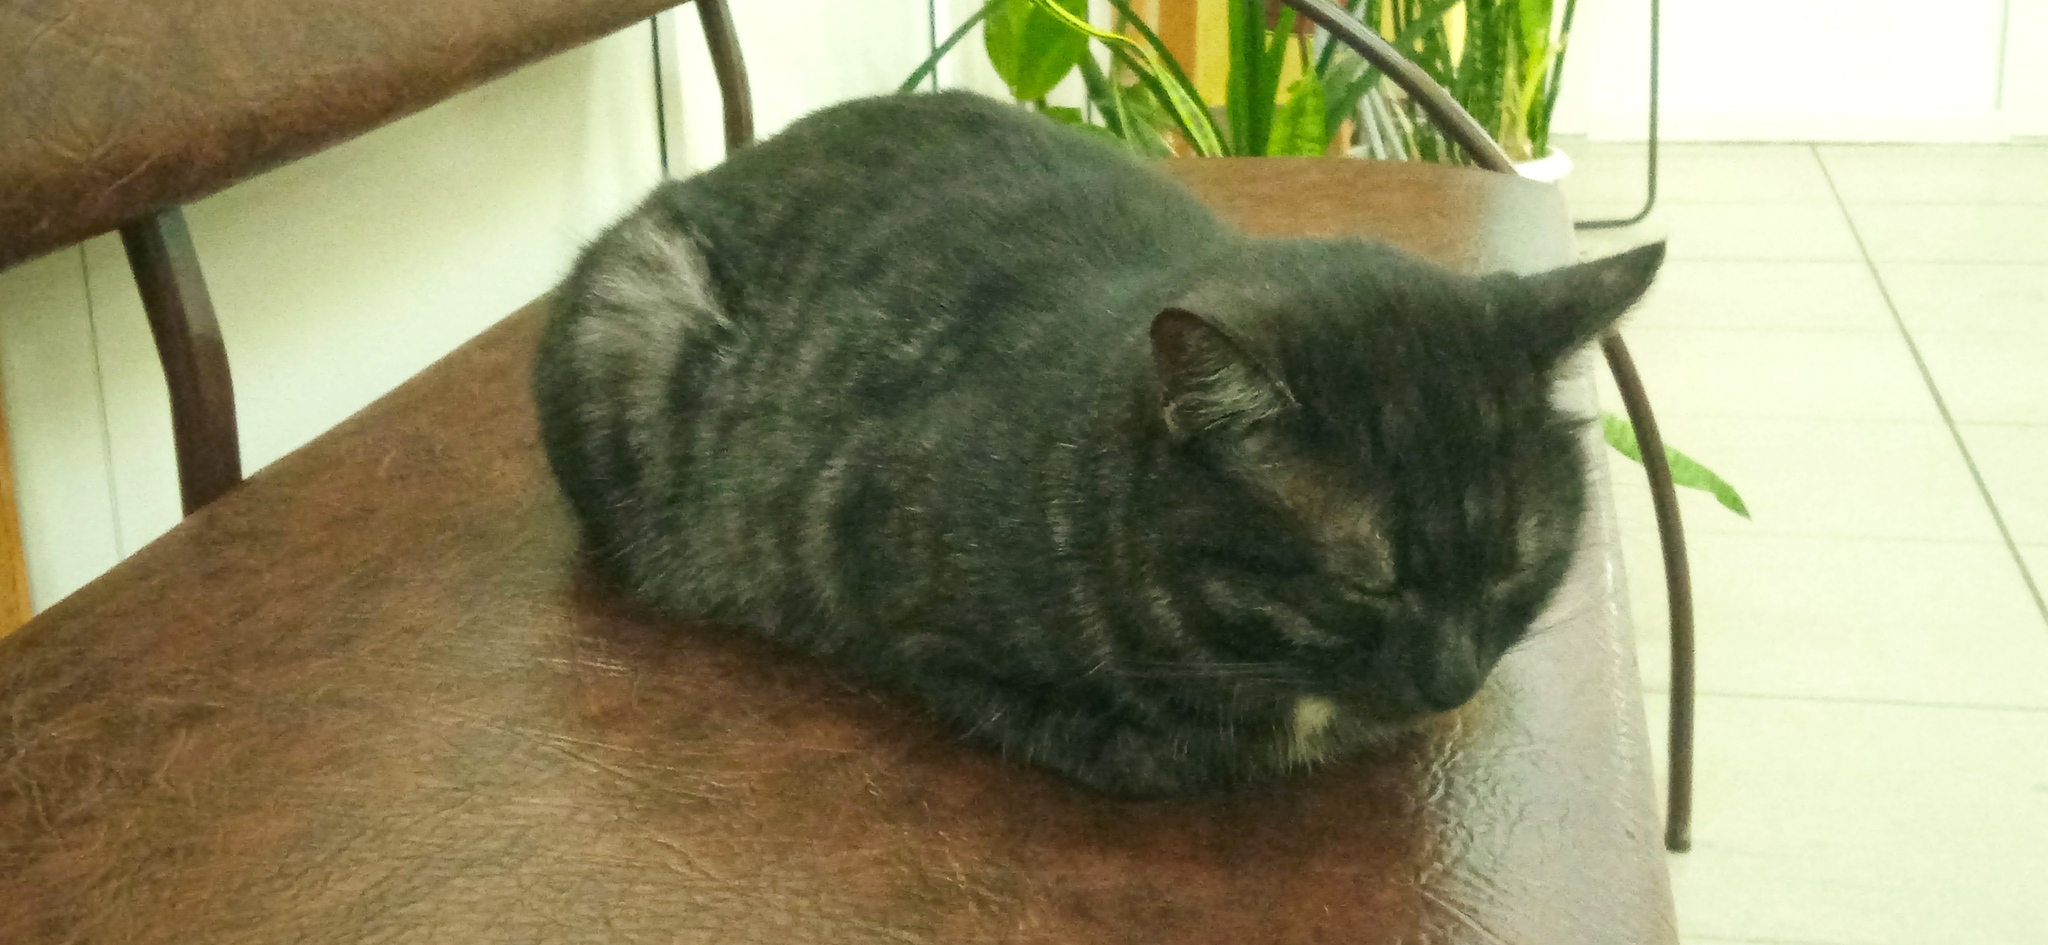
195,359
1450,116
738,98
1459,125
1677,587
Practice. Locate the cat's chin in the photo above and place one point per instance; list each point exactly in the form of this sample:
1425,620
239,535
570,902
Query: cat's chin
1360,705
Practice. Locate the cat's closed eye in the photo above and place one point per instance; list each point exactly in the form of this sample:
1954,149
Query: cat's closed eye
1372,591
1375,588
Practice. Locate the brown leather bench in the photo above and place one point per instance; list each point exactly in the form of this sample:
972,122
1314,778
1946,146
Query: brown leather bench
368,696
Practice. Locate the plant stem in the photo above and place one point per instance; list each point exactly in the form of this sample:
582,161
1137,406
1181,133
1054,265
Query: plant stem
931,62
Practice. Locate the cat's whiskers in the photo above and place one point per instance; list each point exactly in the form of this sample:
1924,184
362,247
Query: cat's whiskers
1539,629
1240,672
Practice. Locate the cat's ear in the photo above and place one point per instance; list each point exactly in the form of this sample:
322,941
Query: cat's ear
1574,305
1208,381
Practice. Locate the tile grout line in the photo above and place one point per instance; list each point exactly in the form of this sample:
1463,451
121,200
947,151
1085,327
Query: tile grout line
1940,403
1648,523
1859,701
1768,941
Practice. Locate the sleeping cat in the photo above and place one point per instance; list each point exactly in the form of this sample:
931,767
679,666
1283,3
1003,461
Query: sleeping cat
994,414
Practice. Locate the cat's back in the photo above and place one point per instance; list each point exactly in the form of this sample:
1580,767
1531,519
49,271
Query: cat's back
948,183
882,277
932,149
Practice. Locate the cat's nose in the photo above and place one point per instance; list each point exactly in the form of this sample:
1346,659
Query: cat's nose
1448,673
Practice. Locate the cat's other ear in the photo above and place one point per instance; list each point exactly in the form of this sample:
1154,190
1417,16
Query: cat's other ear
1208,381
1570,307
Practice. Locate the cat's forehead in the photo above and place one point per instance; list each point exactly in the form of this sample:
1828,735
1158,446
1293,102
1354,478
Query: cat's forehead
1330,503
1412,416
1369,365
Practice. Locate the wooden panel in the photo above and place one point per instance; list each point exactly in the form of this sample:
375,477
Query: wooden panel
1176,27
14,605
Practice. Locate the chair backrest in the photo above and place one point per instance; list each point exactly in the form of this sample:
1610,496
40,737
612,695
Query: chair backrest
91,141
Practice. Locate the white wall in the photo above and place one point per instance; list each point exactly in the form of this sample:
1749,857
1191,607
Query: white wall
2024,96
801,55
56,425
1804,70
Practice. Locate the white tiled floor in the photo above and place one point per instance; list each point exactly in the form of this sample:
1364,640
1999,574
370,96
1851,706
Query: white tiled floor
1857,338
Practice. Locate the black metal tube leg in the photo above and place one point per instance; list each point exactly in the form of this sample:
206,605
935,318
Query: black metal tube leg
1677,588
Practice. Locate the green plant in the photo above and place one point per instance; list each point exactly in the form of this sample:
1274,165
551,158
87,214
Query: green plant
1144,97
1499,58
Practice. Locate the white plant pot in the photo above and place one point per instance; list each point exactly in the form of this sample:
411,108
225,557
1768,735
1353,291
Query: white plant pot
1549,169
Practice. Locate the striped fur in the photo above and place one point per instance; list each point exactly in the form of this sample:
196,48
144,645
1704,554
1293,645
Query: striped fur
995,415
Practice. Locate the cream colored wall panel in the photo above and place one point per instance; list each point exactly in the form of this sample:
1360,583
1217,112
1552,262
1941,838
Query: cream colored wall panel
2025,92
62,476
1848,70
801,56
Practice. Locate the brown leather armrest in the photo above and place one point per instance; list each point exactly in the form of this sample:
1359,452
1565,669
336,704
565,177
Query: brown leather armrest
112,108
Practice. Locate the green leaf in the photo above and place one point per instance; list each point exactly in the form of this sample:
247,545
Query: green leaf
1535,16
1272,61
1145,117
1178,95
1159,53
1298,127
1173,91
1247,48
1179,101
1330,44
1685,471
1418,31
1482,72
1064,115
1108,137
1132,115
1343,87
1536,55
1103,95
1030,48
1071,117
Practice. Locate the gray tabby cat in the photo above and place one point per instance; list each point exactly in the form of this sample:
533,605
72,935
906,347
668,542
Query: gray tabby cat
992,413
